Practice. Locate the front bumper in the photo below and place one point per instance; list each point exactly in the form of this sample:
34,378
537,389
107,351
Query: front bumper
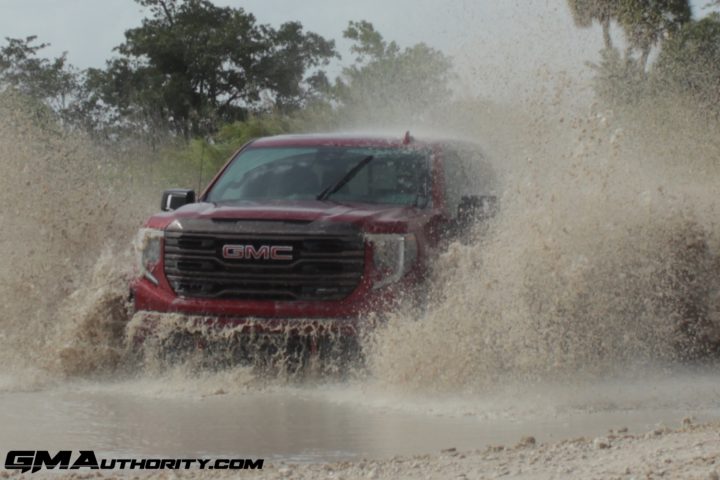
146,324
159,312
245,341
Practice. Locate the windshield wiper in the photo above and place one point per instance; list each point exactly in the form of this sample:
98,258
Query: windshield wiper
325,194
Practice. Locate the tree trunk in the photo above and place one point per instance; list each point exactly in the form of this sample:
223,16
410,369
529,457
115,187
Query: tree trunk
606,33
644,58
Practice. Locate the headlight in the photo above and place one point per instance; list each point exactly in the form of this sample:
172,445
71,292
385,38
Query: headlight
147,250
393,256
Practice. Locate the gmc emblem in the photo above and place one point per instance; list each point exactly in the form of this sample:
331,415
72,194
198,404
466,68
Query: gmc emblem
263,252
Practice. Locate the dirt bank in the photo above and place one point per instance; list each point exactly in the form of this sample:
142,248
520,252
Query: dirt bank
688,452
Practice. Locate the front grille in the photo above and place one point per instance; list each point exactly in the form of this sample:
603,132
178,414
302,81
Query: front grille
323,267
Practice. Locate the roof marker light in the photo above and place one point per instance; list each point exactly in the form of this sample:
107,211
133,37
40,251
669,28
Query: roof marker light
407,138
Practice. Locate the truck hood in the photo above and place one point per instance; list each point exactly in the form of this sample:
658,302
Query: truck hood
370,218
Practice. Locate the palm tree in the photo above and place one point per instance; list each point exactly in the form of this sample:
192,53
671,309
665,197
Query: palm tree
585,12
648,22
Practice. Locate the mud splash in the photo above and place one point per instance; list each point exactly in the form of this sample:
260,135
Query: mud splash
604,259
69,209
205,344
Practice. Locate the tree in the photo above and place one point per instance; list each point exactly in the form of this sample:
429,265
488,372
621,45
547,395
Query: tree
390,82
125,98
689,62
194,65
208,157
622,77
645,22
51,81
585,12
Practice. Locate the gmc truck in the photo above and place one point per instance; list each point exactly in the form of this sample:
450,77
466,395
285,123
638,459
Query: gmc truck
307,238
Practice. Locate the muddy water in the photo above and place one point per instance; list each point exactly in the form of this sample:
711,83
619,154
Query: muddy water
325,422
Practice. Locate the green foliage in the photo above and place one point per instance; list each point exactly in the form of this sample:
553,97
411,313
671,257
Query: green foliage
622,78
619,79
211,154
384,80
645,23
387,82
52,82
193,66
196,81
690,62
585,12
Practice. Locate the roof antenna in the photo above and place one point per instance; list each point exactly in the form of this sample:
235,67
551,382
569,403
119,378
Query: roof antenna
202,157
407,138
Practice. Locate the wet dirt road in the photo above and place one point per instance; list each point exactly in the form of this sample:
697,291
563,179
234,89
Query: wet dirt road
327,422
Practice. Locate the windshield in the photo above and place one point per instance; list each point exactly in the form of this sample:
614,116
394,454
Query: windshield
398,176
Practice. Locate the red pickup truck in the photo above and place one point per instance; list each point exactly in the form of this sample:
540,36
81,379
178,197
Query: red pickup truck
305,236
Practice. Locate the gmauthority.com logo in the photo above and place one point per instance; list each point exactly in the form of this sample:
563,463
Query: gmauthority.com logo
35,460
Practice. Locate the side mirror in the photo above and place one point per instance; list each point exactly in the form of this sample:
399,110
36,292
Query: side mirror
474,208
176,198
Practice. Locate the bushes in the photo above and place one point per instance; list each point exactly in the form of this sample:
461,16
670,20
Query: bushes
210,153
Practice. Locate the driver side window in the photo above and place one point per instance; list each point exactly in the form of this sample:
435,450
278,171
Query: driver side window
467,173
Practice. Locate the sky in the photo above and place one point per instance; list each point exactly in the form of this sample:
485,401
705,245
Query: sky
495,43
